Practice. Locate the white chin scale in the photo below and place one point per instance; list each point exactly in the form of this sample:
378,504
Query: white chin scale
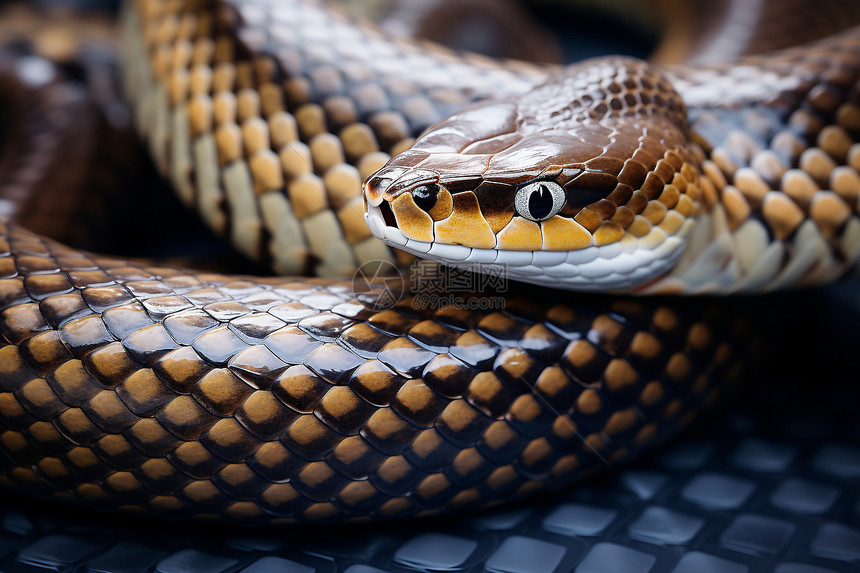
621,266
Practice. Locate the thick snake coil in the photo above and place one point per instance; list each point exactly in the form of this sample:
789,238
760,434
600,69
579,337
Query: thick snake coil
278,400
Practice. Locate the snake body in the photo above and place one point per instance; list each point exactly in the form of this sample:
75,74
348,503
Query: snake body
161,390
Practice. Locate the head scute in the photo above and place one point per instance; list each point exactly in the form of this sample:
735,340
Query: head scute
596,157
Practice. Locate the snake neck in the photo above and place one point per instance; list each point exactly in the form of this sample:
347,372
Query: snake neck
272,149
776,137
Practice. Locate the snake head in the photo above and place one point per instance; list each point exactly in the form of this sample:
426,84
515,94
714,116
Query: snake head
587,182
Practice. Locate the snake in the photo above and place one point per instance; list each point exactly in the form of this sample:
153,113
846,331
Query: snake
600,202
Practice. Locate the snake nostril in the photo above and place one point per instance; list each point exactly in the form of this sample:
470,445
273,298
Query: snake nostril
425,196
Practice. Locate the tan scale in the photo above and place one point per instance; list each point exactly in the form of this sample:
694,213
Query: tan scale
466,225
520,235
310,365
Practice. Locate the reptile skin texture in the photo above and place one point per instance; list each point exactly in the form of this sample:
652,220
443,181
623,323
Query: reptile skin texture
127,387
267,128
763,489
150,389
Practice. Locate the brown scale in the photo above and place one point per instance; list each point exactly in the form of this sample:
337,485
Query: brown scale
49,122
322,100
186,395
560,137
808,160
796,165
438,410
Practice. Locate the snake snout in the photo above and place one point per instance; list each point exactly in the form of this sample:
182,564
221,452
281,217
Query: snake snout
375,188
378,215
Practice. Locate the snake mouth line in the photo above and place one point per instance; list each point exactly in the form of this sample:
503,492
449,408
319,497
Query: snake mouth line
595,268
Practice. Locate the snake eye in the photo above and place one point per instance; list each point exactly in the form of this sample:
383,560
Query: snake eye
425,196
539,200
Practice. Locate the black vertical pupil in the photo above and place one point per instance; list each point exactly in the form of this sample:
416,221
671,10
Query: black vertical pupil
540,202
425,196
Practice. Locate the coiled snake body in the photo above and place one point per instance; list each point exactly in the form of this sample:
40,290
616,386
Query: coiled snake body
185,394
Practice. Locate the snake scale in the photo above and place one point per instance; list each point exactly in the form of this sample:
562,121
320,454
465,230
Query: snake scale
277,400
